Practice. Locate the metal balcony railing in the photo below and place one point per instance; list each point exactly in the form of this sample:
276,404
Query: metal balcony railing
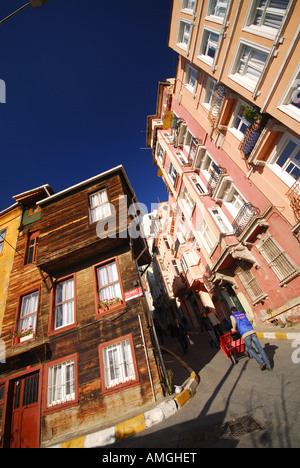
243,218
294,197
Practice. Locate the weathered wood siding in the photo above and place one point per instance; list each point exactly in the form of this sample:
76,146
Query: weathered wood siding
65,231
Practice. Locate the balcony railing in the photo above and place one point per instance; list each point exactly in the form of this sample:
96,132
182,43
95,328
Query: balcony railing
243,218
294,197
214,178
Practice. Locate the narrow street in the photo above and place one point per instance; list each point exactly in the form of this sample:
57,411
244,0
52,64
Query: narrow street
267,402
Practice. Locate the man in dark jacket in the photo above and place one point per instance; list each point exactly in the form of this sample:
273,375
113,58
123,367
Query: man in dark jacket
240,320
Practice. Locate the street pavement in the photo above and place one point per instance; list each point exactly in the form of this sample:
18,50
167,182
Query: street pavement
234,405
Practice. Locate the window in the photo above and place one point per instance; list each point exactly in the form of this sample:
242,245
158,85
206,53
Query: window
175,266
2,238
233,201
160,152
290,103
99,206
207,236
217,9
61,383
209,45
277,260
201,189
109,286
243,271
188,202
239,123
189,259
191,77
188,5
221,220
209,92
184,34
117,363
248,65
28,312
64,312
265,17
32,247
172,173
287,160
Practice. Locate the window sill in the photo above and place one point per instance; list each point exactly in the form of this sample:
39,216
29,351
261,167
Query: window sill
62,329
120,387
110,309
61,406
244,82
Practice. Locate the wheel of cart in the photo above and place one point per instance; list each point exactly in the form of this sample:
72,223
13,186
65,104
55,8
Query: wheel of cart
233,346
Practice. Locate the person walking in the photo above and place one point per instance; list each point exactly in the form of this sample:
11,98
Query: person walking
207,326
215,322
181,336
241,322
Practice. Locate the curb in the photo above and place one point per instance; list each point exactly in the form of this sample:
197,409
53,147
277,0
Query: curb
140,422
278,335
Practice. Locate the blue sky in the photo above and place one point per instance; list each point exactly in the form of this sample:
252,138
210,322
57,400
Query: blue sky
81,77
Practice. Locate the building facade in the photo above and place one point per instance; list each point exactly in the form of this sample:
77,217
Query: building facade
82,356
9,224
225,138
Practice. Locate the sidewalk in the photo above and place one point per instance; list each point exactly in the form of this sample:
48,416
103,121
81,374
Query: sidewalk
186,368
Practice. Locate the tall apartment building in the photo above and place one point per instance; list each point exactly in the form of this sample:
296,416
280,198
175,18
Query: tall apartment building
225,138
81,356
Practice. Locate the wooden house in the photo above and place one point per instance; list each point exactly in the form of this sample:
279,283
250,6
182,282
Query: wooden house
90,361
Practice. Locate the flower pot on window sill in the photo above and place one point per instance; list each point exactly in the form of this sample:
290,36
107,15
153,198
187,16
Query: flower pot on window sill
16,340
26,337
111,307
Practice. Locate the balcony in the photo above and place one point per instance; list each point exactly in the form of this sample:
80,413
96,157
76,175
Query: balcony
243,218
179,286
294,197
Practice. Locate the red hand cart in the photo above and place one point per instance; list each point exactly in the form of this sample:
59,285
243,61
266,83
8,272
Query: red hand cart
233,345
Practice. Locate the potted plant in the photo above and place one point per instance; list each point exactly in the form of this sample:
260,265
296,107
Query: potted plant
26,334
15,336
106,303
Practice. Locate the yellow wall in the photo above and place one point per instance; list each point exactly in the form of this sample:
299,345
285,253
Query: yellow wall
9,220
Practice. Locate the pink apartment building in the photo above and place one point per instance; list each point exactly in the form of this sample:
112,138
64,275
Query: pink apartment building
226,141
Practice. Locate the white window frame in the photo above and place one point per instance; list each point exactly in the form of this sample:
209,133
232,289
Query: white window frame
118,367
198,184
212,8
2,239
292,93
207,236
261,30
221,220
188,6
183,37
234,201
27,318
67,304
61,388
280,171
160,152
241,78
210,88
172,173
283,267
205,43
235,129
187,201
99,209
191,78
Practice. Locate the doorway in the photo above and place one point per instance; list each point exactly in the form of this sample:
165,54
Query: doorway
23,411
